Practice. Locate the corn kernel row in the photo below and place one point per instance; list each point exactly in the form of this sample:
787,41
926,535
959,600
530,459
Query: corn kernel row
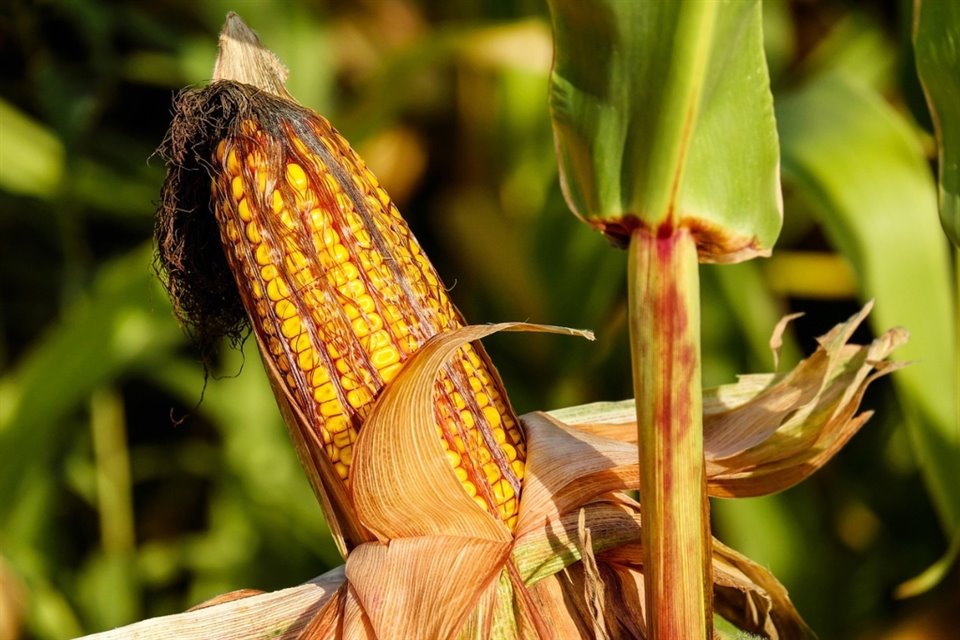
343,295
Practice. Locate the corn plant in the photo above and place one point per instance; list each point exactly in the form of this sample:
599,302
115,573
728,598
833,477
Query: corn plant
454,514
357,337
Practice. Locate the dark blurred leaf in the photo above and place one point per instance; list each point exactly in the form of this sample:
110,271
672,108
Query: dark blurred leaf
937,45
124,321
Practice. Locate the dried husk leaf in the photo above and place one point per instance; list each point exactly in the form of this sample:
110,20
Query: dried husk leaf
280,614
593,592
243,58
568,467
403,484
810,437
539,553
423,588
750,596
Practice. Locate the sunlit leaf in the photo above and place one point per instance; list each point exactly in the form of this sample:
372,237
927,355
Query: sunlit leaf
700,150
31,156
862,168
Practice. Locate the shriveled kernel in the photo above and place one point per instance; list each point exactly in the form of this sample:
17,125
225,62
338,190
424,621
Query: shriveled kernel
232,233
342,470
467,417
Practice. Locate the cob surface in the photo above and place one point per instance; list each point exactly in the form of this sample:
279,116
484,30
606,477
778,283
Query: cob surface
341,294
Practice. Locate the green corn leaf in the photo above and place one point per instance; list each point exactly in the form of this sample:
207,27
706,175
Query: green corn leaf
936,41
862,169
662,114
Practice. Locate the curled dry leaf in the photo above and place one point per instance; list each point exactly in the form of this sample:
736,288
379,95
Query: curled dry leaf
768,432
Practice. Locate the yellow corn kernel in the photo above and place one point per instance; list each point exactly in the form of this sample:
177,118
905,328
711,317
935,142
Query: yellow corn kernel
492,416
306,360
297,177
291,327
389,373
277,289
324,392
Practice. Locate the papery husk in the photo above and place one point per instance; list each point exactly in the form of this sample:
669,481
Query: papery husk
423,588
280,614
571,467
398,456
749,595
439,555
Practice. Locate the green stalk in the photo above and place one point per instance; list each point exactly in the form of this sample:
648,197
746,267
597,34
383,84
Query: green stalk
664,307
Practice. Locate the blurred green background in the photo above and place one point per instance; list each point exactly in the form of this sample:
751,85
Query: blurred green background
128,489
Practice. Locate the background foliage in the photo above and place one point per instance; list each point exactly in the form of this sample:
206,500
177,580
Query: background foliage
128,489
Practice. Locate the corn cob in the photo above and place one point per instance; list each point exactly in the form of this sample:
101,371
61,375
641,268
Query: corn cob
342,294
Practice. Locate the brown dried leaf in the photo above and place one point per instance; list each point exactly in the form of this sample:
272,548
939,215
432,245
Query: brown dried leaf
749,596
809,435
567,467
766,432
426,587
280,614
243,58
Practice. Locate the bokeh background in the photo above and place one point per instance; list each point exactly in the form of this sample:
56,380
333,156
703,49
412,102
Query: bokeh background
131,487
